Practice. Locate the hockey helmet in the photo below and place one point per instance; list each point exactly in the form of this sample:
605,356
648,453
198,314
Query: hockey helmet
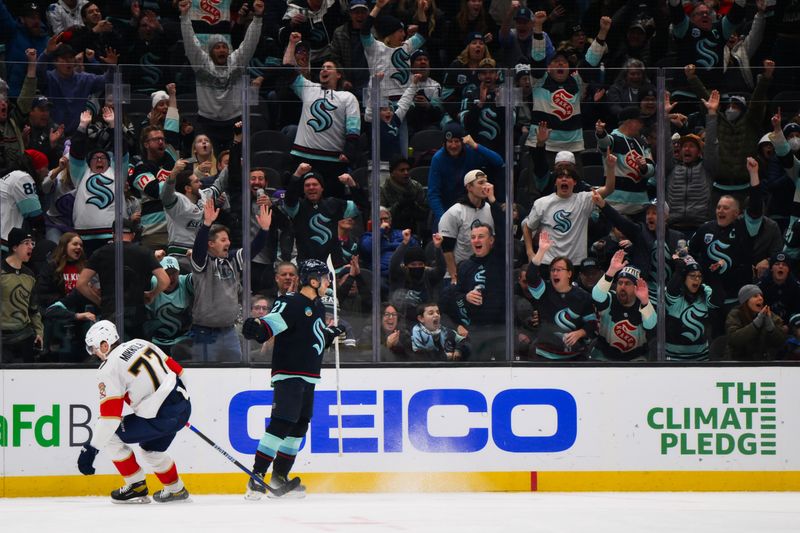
104,330
312,269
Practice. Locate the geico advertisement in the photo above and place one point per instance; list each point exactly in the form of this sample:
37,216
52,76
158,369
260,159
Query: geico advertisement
440,419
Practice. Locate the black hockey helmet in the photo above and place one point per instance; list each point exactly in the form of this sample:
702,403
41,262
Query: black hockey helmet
311,269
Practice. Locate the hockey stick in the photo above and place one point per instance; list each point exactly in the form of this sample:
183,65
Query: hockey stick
336,352
294,482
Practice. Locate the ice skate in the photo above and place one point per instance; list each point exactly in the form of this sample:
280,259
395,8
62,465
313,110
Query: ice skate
166,496
133,493
281,487
254,490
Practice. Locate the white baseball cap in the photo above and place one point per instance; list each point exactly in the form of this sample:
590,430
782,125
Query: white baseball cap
565,157
472,175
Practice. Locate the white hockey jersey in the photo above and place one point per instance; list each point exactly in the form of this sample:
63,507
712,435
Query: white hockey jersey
328,117
393,62
138,373
93,214
19,201
183,216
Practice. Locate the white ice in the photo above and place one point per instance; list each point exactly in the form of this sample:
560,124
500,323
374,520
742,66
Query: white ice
442,513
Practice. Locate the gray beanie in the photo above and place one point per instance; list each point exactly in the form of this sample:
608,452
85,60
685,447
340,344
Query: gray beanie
747,292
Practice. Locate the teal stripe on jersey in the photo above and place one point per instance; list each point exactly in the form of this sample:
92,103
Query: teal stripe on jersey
154,218
686,352
281,377
275,322
627,197
304,155
30,207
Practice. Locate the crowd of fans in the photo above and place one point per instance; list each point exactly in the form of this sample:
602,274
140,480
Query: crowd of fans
579,78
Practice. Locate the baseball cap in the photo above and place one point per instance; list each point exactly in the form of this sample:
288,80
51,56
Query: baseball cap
41,101
473,36
357,4
487,62
170,262
589,263
38,159
28,9
419,52
565,156
692,137
792,127
16,236
472,175
524,14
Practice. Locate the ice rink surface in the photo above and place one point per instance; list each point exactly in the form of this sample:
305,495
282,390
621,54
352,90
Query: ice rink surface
462,512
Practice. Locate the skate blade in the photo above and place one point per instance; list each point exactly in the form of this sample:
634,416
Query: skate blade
170,502
253,496
139,500
291,495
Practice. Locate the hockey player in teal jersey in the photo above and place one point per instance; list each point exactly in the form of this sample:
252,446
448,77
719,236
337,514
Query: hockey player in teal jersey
297,321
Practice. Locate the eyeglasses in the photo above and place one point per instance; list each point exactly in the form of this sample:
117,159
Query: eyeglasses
99,158
262,307
390,315
559,269
156,139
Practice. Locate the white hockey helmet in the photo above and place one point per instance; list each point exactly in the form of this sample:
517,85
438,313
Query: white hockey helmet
104,330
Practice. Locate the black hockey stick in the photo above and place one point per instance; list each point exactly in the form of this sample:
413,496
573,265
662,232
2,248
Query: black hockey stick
291,485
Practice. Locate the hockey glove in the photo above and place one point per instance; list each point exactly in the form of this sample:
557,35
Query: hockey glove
255,329
86,459
331,332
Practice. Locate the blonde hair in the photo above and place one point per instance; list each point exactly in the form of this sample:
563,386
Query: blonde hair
213,158
463,57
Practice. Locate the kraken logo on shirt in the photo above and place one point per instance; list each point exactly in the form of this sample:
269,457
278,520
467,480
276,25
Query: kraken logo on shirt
99,187
715,253
562,221
480,278
490,127
564,319
692,321
321,111
149,71
318,329
317,225
19,300
706,56
170,322
400,61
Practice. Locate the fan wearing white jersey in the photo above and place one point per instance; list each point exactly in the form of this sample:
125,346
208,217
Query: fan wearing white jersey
138,373
92,172
330,122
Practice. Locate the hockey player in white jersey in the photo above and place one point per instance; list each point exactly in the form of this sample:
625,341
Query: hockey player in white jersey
140,374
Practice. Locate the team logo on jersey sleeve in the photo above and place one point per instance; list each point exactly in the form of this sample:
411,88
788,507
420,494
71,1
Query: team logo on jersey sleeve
102,387
562,221
321,112
708,237
561,101
308,311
